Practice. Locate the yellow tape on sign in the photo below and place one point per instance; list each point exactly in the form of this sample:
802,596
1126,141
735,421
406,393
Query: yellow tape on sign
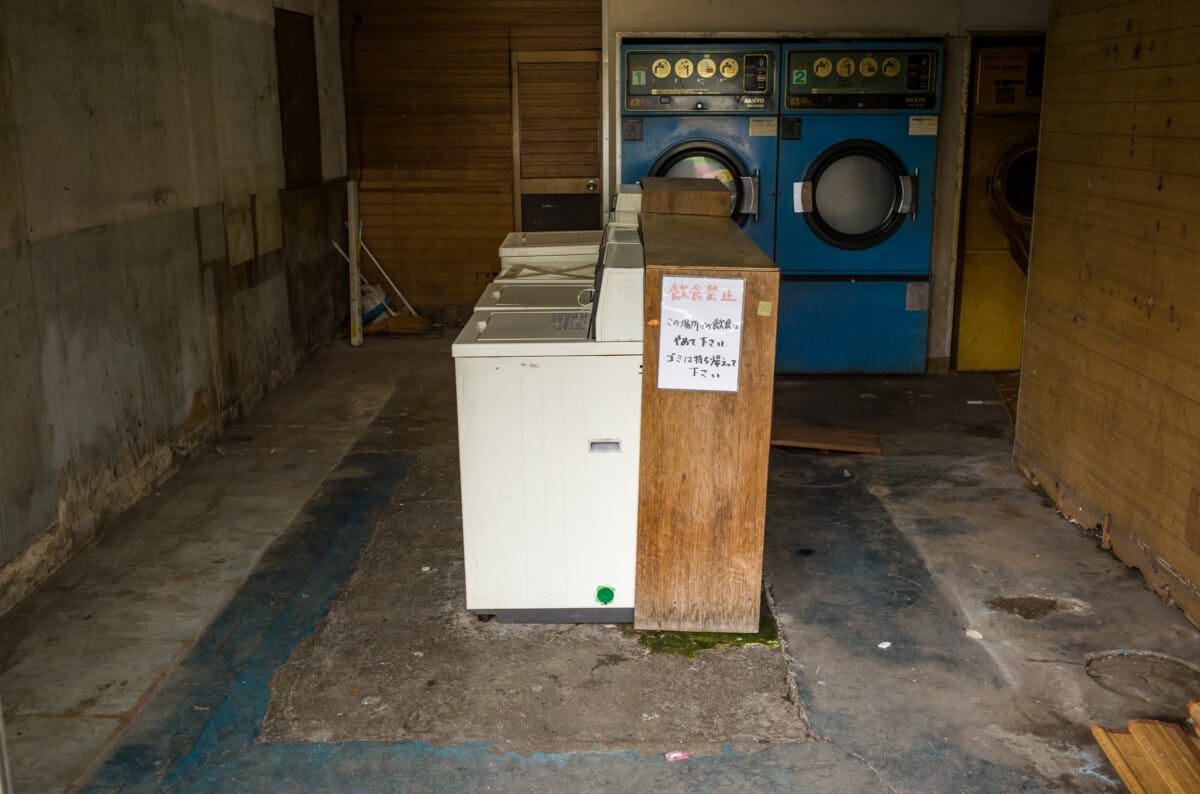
764,308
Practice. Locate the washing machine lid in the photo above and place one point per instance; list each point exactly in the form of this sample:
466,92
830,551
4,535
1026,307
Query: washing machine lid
520,296
624,235
573,271
577,243
534,333
628,198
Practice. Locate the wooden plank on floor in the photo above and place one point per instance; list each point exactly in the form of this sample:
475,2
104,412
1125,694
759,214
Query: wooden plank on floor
1152,756
792,433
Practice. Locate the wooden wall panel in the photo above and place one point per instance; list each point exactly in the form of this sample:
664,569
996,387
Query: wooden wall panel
429,123
1109,415
550,148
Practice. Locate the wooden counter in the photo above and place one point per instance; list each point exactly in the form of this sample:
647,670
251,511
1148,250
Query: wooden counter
703,479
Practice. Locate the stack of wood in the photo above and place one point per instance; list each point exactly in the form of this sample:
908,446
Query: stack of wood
1152,756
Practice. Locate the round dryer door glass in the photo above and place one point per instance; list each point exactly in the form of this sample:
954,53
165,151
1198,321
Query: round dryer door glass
1019,180
856,195
700,166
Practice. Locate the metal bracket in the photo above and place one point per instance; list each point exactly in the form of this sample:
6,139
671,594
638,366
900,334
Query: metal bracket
750,194
908,194
802,197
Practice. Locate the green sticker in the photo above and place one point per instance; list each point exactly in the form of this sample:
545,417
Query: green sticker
799,77
605,594
639,76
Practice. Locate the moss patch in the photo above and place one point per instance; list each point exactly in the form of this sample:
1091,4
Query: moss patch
689,643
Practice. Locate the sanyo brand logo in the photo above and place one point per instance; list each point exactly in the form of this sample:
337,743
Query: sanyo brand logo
754,101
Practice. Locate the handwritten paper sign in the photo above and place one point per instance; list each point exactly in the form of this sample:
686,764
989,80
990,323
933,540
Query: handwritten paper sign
700,339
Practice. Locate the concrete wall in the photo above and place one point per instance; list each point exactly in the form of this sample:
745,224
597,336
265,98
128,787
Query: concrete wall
154,278
952,20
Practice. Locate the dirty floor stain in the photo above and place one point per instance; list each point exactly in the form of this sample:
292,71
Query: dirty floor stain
690,643
1028,607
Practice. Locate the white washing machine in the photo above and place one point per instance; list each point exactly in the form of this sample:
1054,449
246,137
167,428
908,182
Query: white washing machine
620,292
549,482
520,247
626,207
571,272
542,256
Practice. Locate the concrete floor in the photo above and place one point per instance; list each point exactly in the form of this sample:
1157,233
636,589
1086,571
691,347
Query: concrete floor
266,623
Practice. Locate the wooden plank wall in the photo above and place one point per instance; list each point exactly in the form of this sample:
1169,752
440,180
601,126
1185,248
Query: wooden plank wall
429,122
1109,418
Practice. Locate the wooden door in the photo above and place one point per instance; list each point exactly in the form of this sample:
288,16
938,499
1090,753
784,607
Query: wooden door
556,140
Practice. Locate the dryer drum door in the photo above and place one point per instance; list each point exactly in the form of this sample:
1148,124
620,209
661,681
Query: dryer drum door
709,160
1011,188
856,194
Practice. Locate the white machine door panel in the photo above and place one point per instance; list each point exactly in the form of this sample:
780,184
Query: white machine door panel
549,482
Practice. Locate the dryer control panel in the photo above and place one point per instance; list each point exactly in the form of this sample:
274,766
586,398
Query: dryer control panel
675,81
858,79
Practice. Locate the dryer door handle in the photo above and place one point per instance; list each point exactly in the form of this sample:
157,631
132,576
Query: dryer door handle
802,197
908,195
750,195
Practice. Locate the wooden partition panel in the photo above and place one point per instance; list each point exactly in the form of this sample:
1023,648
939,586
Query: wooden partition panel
1109,414
429,122
703,479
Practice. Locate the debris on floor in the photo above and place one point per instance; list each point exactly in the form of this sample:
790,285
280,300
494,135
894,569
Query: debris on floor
689,643
398,325
791,433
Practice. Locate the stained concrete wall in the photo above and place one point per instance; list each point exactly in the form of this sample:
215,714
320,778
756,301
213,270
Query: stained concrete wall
952,20
154,278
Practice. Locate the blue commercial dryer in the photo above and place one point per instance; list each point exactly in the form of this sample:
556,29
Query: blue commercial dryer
857,154
706,110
